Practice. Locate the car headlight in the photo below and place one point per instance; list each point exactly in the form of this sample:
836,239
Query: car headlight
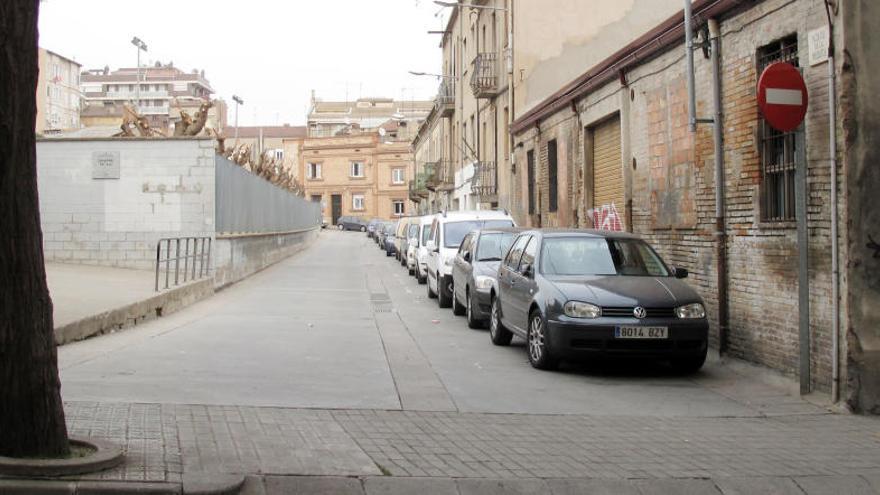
691,311
483,282
578,309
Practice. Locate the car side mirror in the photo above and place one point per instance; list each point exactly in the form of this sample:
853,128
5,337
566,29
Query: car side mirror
679,272
467,257
526,270
431,247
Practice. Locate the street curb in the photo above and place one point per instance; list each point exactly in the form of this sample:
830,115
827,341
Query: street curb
200,484
212,484
106,456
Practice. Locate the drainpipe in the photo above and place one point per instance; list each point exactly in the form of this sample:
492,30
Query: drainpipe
832,149
720,230
718,138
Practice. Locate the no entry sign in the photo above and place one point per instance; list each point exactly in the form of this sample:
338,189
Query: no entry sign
782,96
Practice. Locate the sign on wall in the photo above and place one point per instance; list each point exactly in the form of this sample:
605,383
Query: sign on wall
105,165
817,41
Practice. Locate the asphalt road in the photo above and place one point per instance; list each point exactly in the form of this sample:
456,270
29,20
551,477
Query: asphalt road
341,326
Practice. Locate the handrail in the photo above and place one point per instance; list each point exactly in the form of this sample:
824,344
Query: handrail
197,249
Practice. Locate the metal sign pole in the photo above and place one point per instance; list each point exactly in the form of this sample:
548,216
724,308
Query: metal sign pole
801,194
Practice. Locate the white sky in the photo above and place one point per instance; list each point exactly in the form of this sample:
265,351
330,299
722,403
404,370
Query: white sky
270,53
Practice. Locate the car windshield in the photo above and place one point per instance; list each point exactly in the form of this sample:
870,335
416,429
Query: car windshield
598,256
493,246
426,234
454,232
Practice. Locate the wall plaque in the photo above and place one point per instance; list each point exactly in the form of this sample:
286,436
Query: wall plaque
105,165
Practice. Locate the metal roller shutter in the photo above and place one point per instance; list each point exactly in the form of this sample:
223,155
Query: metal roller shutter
607,168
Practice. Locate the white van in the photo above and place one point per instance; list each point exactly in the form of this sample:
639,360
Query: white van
421,258
447,231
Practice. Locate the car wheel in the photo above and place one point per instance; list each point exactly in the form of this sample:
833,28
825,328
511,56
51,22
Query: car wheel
457,308
472,321
537,343
421,278
689,365
497,332
431,293
444,297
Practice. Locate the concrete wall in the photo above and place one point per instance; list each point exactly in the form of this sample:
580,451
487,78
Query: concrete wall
860,124
165,189
237,257
669,178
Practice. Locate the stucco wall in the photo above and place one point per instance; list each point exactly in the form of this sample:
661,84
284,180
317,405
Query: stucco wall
165,189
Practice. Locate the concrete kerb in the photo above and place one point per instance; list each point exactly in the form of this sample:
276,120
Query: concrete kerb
106,455
197,484
162,303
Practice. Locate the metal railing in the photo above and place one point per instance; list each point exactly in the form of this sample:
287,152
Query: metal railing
445,99
484,80
484,184
193,253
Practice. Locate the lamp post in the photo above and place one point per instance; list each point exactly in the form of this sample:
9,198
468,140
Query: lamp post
433,75
140,46
238,101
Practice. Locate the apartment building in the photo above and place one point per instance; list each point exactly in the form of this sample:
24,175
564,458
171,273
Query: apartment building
164,91
363,174
463,149
333,118
59,100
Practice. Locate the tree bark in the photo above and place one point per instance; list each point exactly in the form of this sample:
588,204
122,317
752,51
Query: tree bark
31,411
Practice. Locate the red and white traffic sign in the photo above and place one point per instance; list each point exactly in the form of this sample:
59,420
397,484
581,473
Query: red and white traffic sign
782,96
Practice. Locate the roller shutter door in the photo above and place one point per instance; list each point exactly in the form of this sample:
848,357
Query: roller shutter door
608,169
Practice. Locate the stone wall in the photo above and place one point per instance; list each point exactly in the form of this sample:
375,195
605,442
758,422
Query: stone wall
165,188
238,257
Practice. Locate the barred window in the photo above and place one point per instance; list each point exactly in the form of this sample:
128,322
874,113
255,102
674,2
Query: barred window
778,149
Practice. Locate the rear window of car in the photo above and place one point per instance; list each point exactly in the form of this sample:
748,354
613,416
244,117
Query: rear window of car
494,246
454,232
600,256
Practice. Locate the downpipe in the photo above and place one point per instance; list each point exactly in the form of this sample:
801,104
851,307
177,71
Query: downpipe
835,276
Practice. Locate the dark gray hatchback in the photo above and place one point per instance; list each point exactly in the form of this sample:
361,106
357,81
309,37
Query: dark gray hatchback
578,293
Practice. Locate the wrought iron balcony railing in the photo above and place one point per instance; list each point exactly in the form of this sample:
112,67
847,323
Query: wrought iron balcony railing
484,80
442,176
485,182
445,100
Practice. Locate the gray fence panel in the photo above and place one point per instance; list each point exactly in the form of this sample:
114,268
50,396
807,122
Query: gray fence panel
245,203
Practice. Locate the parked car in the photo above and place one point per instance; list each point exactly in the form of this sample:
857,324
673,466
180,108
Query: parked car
447,231
421,261
475,271
412,244
573,294
388,239
372,225
402,239
351,223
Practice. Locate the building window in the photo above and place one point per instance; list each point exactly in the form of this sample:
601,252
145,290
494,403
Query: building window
552,203
399,207
313,171
357,202
279,154
530,164
316,198
397,176
357,169
778,149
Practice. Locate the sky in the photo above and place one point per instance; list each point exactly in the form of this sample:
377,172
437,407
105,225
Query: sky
272,54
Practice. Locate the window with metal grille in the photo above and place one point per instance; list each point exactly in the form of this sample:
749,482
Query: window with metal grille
552,199
778,149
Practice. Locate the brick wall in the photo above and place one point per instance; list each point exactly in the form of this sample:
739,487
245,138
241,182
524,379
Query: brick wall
670,177
165,189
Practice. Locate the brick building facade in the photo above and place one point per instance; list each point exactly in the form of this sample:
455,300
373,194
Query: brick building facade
664,182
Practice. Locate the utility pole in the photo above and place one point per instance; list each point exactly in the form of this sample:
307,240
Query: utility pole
137,42
238,101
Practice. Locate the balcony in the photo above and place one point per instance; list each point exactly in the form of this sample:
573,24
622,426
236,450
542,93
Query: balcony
485,182
445,100
484,80
161,110
441,176
417,190
131,95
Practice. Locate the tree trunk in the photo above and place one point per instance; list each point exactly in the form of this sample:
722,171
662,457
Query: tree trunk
31,411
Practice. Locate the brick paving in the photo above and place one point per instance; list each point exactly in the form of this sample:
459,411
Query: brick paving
163,441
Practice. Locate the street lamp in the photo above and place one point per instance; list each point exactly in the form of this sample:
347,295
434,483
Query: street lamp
140,46
433,75
238,101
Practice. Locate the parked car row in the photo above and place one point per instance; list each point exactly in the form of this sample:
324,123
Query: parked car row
571,294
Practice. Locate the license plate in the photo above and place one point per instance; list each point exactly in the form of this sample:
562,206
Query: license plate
641,333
